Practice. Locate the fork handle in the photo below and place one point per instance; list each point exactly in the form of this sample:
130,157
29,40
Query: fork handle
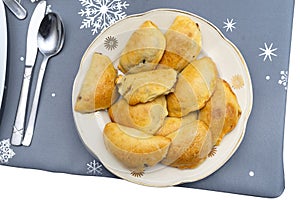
18,127
33,113
16,8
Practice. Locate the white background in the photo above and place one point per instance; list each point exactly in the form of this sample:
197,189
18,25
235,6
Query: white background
34,184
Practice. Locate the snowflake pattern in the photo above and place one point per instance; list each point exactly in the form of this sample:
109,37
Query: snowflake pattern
283,79
237,81
229,25
268,52
100,14
138,173
94,168
213,152
49,9
110,43
6,152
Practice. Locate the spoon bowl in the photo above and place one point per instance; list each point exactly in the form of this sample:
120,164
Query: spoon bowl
51,35
50,40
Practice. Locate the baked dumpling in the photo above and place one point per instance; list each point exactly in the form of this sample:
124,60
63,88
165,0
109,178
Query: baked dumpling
222,112
147,117
146,86
172,124
98,90
195,85
184,42
134,148
144,49
190,146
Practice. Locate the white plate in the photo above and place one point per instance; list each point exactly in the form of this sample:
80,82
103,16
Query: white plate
3,49
231,66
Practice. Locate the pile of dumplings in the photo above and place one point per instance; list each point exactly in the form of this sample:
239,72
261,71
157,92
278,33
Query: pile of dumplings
167,105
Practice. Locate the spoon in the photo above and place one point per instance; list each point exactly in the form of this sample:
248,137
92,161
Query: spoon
51,37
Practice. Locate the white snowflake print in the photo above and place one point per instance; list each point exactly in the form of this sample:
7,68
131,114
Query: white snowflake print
100,14
283,79
94,168
6,152
49,9
268,52
229,25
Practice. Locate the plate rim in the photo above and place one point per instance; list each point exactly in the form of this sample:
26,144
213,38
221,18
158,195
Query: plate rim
247,112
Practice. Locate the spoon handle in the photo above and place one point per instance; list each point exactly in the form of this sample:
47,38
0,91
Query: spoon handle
32,118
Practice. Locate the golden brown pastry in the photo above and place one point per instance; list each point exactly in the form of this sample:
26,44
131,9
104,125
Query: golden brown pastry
144,49
222,112
146,86
147,117
98,89
184,42
195,85
172,124
190,146
134,148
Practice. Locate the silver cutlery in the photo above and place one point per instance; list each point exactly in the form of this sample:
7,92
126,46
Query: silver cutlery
16,8
50,42
31,52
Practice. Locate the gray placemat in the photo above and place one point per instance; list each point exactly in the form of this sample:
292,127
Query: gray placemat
260,29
